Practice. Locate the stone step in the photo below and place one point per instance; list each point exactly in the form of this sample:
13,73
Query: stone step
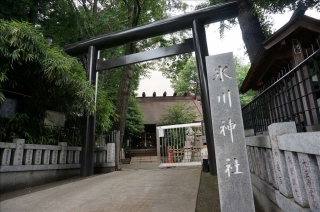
125,161
144,159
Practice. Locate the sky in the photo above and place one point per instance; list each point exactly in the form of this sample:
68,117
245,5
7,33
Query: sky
232,42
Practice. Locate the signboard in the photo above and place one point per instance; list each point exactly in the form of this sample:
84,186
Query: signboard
8,108
235,189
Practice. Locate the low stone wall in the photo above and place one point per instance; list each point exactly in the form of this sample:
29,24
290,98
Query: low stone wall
285,168
25,165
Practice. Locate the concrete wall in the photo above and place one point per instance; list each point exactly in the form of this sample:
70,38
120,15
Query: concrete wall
285,168
11,181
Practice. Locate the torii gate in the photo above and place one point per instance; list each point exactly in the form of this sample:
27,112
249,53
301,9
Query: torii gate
194,20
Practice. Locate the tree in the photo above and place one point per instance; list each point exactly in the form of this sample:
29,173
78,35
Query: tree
181,82
241,72
68,21
254,22
186,79
26,59
50,79
179,113
134,119
138,12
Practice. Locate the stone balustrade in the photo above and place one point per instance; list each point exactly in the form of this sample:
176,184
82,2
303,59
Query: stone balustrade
26,165
105,156
18,156
285,168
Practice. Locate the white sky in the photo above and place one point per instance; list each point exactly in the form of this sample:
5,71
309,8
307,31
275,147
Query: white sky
232,42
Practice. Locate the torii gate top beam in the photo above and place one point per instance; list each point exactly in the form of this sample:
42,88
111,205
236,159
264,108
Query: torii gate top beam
208,15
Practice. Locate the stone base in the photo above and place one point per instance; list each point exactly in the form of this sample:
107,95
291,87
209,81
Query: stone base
11,181
99,170
267,199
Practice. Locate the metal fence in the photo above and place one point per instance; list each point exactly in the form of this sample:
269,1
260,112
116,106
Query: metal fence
294,96
179,143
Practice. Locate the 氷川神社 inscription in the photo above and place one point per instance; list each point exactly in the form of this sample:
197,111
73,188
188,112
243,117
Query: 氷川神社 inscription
235,188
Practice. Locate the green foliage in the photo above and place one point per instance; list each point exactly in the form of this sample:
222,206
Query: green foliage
186,79
263,8
51,79
179,113
134,119
278,6
241,71
68,21
31,129
27,60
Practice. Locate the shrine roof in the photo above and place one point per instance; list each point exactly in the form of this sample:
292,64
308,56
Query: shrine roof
153,108
275,53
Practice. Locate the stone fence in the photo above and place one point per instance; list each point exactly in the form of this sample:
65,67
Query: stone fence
285,168
25,165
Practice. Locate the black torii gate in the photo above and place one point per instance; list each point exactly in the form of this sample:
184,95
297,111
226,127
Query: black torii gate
194,20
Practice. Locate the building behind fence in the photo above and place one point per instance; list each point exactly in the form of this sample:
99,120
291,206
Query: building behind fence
286,76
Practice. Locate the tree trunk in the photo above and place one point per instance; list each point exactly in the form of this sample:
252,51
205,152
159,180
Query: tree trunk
127,73
252,34
124,94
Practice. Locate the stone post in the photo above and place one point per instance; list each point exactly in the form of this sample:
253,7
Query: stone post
18,153
77,157
268,162
235,189
102,156
63,152
254,162
54,157
28,156
110,152
311,178
249,159
5,157
298,190
37,156
281,170
263,169
70,157
46,156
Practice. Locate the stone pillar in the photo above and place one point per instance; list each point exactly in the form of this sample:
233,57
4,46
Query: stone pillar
249,133
258,163
110,152
46,156
273,168
70,157
311,178
117,150
63,152
102,156
28,156
249,159
54,157
298,190
37,156
5,157
282,176
77,157
254,162
235,188
18,153
269,167
263,170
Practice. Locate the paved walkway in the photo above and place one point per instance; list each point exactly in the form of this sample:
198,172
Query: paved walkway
157,190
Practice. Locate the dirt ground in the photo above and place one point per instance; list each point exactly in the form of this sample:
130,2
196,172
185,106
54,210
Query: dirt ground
208,194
